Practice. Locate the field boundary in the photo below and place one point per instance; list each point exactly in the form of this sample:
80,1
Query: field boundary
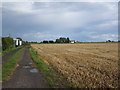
49,73
81,43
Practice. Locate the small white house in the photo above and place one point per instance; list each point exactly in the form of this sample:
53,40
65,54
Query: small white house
72,41
17,42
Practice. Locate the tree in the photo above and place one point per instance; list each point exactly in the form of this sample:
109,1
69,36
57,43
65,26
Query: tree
68,40
108,41
45,41
51,41
57,40
62,40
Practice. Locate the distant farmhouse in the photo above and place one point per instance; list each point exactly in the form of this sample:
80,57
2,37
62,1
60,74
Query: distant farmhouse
17,42
72,41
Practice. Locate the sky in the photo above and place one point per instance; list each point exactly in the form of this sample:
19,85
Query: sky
81,21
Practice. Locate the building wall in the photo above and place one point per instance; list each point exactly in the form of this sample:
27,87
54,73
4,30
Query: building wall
18,42
72,42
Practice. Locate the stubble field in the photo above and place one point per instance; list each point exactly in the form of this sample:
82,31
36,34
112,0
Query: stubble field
86,65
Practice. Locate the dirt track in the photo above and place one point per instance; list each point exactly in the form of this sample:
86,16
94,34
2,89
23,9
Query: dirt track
26,75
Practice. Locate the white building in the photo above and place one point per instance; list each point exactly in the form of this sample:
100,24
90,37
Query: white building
18,42
72,41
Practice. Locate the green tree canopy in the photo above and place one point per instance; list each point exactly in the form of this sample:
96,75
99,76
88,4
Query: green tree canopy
62,40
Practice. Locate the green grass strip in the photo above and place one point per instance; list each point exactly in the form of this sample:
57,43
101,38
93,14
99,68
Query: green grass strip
48,72
43,67
7,51
9,67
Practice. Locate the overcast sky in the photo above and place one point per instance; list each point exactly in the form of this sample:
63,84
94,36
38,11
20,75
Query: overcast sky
82,21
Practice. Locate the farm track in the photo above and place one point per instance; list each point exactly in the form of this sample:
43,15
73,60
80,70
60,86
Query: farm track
86,65
26,74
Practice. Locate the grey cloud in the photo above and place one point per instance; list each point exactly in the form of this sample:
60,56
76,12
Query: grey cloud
38,21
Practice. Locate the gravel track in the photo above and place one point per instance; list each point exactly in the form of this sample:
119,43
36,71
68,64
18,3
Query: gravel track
26,75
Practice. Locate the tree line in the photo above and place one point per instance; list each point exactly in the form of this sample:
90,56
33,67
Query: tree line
60,40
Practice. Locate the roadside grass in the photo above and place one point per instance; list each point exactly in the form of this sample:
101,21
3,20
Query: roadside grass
9,67
54,79
9,50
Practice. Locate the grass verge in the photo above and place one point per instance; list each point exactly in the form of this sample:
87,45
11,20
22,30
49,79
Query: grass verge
9,67
9,50
54,79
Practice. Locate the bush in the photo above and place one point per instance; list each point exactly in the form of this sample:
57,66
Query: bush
7,43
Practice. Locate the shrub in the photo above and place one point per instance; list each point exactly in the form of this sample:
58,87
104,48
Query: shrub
7,43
